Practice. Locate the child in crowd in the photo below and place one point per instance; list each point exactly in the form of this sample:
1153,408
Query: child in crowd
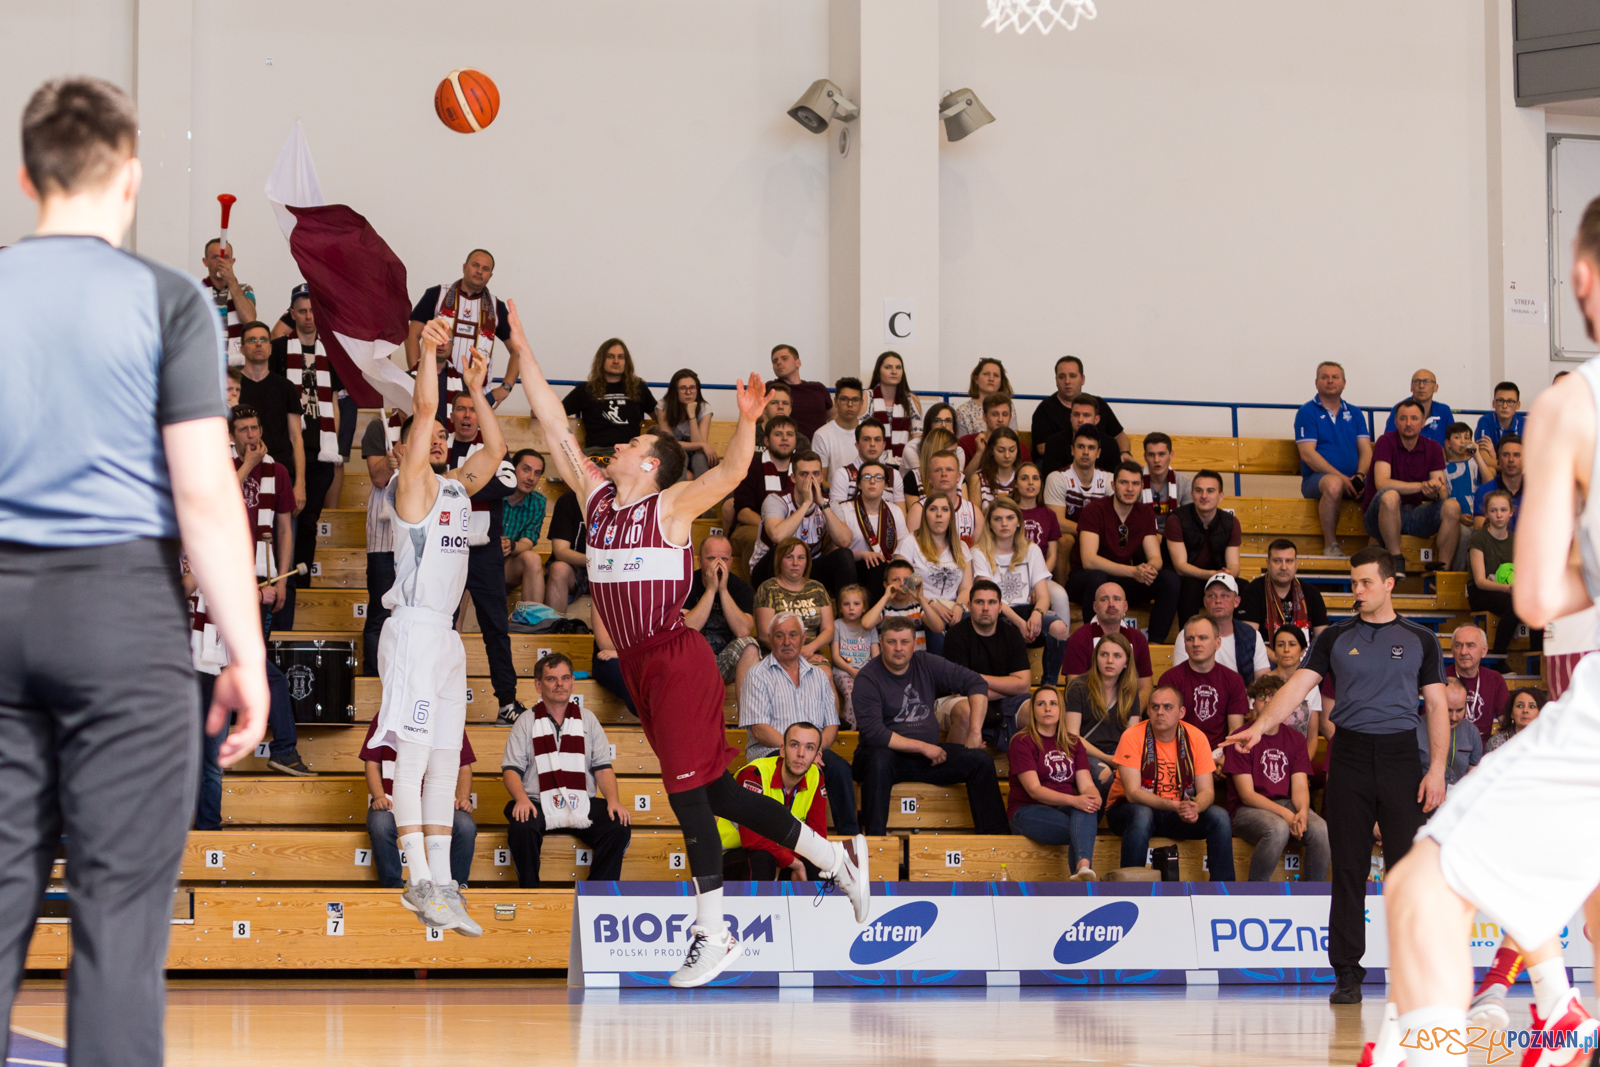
854,646
903,594
1462,472
234,376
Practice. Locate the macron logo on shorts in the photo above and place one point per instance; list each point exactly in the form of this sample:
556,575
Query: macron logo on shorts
691,774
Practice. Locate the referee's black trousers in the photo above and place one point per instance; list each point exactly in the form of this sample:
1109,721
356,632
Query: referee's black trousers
1371,778
486,581
98,745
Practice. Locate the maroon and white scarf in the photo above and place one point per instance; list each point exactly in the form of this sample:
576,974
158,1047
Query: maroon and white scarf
882,541
310,372
261,506
468,334
232,324
206,649
1164,505
560,758
775,481
894,416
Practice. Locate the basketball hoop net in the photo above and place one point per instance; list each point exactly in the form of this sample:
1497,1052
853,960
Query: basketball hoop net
1045,15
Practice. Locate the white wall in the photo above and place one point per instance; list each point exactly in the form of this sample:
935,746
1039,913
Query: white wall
1202,200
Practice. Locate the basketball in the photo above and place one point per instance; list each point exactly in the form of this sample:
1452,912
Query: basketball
467,100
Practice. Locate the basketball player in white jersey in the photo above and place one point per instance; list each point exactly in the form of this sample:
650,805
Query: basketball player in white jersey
420,657
1519,838
640,517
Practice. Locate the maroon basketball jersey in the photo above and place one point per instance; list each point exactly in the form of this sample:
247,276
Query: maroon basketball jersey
638,578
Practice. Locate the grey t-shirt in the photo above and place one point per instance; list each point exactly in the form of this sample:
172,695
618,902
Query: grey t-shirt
1378,671
519,751
137,347
902,704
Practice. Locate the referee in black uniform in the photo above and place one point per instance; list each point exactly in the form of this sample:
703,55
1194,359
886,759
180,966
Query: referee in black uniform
1379,663
98,700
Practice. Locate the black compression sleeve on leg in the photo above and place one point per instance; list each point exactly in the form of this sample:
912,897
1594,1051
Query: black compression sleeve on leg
701,841
756,811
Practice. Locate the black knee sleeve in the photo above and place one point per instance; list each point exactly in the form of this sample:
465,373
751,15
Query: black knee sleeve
702,843
758,812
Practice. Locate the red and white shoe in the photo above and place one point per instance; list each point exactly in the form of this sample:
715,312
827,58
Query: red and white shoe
1387,1036
1569,1017
1368,1060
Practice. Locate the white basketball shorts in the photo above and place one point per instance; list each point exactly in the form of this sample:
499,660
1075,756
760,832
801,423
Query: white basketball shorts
423,667
1519,837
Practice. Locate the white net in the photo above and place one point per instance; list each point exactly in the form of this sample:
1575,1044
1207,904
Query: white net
1043,15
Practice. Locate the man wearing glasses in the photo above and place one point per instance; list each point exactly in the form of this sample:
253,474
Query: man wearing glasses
1505,419
1436,415
1119,542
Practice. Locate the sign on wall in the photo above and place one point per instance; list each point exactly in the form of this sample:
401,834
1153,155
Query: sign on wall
899,320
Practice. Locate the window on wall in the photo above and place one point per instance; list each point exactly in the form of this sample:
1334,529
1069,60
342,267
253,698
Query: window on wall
1574,181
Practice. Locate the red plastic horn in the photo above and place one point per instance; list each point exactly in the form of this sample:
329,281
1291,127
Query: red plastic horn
227,200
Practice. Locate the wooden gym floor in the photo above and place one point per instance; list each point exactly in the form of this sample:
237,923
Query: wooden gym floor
404,1023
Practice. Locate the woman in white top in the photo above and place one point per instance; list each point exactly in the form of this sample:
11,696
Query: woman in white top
997,468
685,415
938,558
1005,556
872,526
988,378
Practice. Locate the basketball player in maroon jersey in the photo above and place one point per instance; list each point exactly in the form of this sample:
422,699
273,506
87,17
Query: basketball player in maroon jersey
641,564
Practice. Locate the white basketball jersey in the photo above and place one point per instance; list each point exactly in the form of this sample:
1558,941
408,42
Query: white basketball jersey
430,557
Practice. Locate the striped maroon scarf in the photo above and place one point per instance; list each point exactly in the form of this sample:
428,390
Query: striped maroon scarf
560,756
261,505
309,372
895,417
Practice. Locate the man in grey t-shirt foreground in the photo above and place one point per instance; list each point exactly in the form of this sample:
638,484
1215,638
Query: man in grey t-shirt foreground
1379,662
900,737
98,697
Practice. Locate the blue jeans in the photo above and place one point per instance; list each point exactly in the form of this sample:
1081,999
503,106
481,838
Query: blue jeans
1005,709
208,802
1137,824
1416,520
386,849
1055,648
1050,825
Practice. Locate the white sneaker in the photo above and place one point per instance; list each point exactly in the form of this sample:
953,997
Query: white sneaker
1334,551
707,957
429,904
850,875
465,926
1488,1009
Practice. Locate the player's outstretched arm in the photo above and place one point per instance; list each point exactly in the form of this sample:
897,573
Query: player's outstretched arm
682,502
414,491
481,466
1558,446
576,469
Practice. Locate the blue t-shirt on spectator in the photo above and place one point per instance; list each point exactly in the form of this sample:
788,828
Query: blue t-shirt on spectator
1463,476
1489,426
1335,436
1434,424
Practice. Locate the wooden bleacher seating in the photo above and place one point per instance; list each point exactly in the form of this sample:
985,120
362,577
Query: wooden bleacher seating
968,857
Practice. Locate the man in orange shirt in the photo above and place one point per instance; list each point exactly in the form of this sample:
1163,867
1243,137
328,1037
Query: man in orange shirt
1163,787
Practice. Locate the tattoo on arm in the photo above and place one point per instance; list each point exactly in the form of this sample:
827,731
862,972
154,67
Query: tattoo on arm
471,477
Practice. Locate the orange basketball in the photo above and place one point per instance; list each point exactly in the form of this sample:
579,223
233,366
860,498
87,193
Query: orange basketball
467,100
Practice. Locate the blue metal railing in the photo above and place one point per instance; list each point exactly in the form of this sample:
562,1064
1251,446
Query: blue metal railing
1233,406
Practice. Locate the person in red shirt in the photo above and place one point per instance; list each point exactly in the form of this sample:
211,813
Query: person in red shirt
1409,492
794,778
1488,696
1214,697
1118,542
1164,787
1053,799
811,405
1271,799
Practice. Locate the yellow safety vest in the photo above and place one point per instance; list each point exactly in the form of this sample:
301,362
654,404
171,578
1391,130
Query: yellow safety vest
772,786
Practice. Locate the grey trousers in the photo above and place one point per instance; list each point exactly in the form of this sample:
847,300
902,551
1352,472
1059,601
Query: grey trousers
98,744
1270,835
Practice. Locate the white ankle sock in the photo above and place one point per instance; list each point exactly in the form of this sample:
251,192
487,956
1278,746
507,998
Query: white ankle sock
416,853
1439,1054
818,849
1549,984
708,912
438,849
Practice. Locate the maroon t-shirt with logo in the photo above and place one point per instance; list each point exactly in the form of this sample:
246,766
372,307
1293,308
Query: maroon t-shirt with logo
1270,765
1208,699
1055,767
1487,697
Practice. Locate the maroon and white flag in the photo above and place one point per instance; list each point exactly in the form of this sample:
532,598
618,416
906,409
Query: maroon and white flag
358,284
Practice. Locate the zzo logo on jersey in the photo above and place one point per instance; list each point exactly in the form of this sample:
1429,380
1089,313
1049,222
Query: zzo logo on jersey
637,564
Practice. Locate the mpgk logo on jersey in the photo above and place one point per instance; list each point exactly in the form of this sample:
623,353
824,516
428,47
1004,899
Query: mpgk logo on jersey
1101,929
893,932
